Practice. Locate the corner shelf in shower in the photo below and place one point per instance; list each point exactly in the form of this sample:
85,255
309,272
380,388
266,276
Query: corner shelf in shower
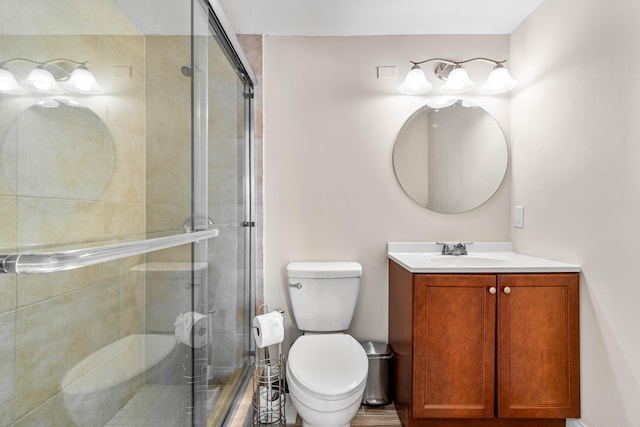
51,262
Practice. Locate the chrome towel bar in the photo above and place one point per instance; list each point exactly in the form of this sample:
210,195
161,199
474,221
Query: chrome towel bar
51,262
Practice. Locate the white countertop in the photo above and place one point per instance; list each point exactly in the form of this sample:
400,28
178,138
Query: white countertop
482,257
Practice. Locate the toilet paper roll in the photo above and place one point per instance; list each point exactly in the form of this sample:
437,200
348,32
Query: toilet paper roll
268,329
270,405
191,329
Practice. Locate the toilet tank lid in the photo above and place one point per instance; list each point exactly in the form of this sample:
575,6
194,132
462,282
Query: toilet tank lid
324,269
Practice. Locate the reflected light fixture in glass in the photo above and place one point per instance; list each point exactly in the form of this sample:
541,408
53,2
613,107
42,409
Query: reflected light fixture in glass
8,82
42,80
82,80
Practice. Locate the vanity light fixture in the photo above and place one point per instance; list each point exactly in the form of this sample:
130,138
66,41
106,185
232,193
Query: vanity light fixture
456,78
45,77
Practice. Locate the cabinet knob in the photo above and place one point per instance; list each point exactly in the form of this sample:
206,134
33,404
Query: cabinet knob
493,290
507,290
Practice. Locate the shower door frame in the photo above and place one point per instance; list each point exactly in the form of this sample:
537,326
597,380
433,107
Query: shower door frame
219,27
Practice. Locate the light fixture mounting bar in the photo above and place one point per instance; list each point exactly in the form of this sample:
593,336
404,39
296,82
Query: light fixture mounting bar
450,62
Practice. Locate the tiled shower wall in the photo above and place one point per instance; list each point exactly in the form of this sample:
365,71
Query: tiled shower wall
50,322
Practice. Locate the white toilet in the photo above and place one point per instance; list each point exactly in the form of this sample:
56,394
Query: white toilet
326,368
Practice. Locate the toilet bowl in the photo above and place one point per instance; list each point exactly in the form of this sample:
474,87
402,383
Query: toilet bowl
326,368
327,375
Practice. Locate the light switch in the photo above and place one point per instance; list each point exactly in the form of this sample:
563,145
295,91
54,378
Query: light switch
518,216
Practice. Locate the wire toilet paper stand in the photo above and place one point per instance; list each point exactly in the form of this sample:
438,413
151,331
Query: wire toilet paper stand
269,396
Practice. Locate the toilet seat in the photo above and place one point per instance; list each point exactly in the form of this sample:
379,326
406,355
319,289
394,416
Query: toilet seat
328,367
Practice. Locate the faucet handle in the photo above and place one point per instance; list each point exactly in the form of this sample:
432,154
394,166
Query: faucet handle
460,249
464,247
446,250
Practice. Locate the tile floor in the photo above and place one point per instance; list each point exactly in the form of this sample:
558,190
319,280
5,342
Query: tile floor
372,416
381,416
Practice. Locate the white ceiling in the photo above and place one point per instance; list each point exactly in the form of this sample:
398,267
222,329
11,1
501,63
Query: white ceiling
376,17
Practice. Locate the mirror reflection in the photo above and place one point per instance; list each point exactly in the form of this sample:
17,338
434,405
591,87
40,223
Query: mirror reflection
450,159
58,149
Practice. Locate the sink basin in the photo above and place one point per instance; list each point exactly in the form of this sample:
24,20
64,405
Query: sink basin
468,261
483,257
435,260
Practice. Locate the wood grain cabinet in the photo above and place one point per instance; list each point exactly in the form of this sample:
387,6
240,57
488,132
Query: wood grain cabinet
484,349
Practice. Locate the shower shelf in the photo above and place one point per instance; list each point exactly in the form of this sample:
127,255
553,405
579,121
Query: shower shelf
51,262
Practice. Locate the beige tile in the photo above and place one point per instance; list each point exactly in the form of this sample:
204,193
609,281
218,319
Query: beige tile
8,206
110,312
68,281
47,221
7,367
168,91
32,289
131,305
52,412
127,179
168,107
8,298
166,54
51,337
121,267
168,170
167,216
124,219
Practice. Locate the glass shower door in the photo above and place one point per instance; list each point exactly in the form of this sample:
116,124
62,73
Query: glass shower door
223,155
226,155
105,197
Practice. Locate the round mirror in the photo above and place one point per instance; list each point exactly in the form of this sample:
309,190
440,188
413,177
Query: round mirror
450,159
56,149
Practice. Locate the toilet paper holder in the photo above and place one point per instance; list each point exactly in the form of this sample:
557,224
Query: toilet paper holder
269,397
264,309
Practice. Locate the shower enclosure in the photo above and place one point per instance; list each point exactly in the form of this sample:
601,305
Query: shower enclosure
127,219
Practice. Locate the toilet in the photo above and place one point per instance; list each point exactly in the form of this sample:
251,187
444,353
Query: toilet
326,368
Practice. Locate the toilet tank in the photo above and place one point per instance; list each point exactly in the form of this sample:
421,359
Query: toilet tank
323,294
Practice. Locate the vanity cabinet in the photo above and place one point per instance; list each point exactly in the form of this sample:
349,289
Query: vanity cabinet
484,349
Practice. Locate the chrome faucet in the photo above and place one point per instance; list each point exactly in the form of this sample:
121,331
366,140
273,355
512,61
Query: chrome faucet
457,249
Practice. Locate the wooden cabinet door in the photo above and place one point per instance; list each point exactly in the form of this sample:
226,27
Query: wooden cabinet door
454,346
539,349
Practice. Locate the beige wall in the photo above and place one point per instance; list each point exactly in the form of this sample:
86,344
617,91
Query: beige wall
329,187
576,169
